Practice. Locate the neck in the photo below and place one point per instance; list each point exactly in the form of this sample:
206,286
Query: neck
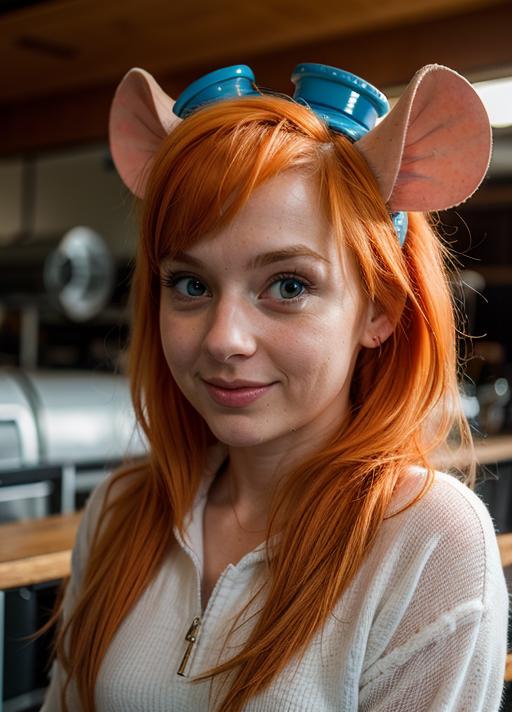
250,475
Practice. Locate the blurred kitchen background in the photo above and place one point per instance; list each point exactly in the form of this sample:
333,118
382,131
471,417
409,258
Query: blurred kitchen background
68,232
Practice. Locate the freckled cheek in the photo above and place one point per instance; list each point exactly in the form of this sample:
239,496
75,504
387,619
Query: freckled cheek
315,360
304,358
179,342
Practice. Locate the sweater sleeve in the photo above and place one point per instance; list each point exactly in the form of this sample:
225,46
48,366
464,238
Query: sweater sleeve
447,648
456,665
78,561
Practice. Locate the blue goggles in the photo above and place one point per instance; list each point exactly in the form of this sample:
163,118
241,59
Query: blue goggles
345,102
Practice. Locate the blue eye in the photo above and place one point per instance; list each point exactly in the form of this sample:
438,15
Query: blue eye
190,287
288,288
184,285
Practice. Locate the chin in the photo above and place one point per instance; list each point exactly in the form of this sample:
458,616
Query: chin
245,435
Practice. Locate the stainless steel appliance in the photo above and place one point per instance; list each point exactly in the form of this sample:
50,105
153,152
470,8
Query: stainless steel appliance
80,422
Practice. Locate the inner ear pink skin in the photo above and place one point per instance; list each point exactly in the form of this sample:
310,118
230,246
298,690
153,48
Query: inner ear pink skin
140,118
432,150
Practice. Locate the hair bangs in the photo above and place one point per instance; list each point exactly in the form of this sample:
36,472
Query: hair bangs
209,166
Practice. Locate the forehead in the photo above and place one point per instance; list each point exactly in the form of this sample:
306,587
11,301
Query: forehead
285,211
289,200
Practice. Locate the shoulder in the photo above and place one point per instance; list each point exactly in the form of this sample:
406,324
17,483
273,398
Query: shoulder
447,505
451,527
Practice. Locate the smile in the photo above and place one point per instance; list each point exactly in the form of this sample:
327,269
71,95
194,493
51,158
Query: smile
237,397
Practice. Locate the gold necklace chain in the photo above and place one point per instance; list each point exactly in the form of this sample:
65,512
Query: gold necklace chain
232,503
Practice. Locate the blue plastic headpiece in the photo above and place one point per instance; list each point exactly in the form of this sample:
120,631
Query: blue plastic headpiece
344,101
226,83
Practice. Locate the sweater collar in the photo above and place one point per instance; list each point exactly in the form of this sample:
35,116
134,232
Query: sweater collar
192,539
408,487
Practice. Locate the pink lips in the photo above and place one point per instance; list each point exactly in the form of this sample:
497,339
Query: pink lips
236,394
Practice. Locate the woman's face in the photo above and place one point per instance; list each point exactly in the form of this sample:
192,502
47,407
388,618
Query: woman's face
261,321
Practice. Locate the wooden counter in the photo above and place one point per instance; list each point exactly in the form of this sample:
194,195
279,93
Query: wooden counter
489,451
494,449
36,550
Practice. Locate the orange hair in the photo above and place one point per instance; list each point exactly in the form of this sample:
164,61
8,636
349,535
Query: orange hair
404,396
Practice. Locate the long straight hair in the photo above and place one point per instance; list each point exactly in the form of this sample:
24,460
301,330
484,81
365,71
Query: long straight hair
404,399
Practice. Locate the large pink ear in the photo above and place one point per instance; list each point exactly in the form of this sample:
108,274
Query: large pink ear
140,118
432,150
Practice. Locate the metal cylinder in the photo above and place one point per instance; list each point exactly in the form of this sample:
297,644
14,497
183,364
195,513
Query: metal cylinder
74,274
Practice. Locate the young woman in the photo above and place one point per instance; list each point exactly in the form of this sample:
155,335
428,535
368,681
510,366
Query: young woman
288,545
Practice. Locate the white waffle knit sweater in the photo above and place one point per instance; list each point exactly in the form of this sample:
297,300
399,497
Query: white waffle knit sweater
423,626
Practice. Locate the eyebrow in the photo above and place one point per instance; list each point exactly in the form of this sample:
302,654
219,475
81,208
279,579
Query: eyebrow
266,258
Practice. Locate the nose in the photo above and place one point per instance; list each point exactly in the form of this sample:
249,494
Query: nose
230,331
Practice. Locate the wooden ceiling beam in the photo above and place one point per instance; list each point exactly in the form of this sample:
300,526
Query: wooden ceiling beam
476,44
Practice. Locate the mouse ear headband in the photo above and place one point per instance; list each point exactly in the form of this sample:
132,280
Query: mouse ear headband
430,152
